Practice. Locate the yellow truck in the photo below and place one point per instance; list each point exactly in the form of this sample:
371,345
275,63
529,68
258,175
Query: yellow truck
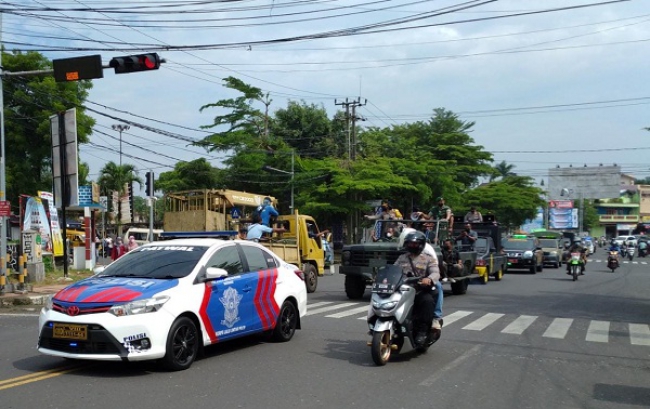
224,210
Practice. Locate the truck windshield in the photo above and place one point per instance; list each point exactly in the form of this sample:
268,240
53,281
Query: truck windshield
156,262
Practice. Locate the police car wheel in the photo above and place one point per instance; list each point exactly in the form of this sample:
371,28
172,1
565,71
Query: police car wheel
287,323
182,345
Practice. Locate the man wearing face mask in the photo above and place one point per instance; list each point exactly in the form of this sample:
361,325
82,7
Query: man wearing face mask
467,238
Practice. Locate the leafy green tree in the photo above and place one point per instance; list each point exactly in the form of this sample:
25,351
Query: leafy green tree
115,178
305,128
29,102
502,170
513,200
196,174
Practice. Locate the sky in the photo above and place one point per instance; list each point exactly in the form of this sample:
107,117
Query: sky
547,83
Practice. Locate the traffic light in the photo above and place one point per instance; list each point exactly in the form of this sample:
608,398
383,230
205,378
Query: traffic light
135,63
149,189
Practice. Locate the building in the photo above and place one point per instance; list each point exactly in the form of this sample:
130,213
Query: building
619,216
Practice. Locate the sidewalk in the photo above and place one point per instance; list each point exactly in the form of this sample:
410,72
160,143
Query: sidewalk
37,293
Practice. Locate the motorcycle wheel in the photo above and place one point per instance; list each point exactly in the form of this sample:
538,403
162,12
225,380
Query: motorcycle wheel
574,272
380,348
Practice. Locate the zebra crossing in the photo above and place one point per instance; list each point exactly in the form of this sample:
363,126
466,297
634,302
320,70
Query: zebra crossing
622,262
597,331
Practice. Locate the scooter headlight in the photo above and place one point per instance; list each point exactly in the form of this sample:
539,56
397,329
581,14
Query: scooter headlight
384,305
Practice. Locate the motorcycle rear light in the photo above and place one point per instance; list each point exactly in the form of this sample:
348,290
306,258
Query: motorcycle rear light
300,274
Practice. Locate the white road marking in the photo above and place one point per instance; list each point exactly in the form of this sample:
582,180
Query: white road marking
483,322
598,331
330,308
451,318
347,313
558,328
639,334
318,304
519,325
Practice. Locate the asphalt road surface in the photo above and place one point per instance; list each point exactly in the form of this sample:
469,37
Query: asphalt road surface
528,341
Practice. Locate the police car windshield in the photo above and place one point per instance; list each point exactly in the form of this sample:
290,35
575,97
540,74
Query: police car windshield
156,262
517,244
548,242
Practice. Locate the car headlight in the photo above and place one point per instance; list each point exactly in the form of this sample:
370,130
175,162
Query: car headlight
528,254
139,307
384,306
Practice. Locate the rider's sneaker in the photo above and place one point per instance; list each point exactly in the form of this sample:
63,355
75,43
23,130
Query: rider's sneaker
444,280
436,324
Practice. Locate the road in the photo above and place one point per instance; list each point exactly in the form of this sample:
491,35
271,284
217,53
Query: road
528,341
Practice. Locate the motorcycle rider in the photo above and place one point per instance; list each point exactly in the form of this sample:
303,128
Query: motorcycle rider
423,265
577,247
615,247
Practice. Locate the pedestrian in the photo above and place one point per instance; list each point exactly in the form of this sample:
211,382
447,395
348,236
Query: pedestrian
132,245
473,216
242,233
257,229
119,249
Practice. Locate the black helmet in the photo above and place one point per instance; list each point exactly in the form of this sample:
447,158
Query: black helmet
414,242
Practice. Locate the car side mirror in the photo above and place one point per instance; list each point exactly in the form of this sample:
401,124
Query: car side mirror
213,273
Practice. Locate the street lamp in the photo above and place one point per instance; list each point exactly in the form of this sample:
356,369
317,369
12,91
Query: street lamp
292,173
121,128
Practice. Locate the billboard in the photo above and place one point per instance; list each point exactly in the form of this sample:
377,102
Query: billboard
589,182
563,218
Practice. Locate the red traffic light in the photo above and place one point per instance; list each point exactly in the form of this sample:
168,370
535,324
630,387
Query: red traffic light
135,63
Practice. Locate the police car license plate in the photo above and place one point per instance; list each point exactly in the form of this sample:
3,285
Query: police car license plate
70,331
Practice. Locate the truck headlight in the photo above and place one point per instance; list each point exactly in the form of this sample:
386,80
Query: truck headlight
528,254
345,257
139,307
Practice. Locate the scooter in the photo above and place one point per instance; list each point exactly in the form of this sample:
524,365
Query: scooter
391,317
576,265
630,253
612,260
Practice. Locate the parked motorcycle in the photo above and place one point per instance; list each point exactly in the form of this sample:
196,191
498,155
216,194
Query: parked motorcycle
612,260
576,265
391,318
643,250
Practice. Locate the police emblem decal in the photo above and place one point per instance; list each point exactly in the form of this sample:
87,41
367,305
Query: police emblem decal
230,301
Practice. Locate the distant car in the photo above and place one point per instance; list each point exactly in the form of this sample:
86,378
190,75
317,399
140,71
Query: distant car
589,245
167,300
628,240
524,253
552,251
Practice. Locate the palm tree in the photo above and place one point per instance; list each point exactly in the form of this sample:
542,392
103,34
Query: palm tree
116,178
502,170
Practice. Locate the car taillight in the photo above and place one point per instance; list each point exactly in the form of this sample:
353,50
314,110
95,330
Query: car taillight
300,274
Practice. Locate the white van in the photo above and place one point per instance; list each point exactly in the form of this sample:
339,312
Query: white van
141,235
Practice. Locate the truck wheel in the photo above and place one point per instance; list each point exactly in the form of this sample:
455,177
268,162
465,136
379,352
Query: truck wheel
498,275
459,287
311,277
355,286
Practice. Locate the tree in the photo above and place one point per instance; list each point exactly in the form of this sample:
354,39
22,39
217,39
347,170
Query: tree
196,174
502,170
29,102
513,200
115,178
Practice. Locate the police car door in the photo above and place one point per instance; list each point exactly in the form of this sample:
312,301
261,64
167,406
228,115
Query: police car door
230,306
262,264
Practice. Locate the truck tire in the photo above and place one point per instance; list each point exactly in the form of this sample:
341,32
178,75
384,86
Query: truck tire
498,275
311,277
459,287
355,286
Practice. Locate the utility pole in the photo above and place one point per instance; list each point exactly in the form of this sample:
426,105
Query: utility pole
120,128
350,119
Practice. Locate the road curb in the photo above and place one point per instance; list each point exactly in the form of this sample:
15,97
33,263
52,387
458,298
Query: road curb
23,300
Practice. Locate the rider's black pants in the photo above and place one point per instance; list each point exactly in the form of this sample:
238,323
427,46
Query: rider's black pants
425,303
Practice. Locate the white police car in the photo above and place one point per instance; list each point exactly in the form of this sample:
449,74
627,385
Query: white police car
166,300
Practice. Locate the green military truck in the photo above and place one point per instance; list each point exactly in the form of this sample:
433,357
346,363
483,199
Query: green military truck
359,262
